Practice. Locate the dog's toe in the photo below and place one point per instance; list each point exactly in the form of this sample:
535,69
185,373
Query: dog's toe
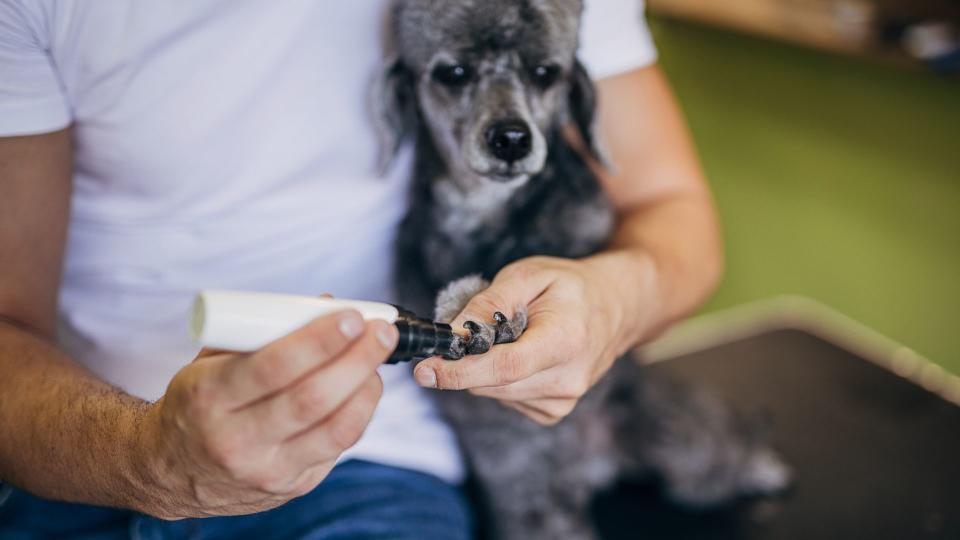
482,337
509,330
458,349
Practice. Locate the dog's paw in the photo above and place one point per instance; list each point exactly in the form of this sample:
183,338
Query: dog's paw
765,473
761,474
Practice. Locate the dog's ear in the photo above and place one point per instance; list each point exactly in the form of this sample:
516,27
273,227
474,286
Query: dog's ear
583,112
394,113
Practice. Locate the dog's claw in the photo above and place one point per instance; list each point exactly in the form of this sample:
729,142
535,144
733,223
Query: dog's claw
482,337
509,330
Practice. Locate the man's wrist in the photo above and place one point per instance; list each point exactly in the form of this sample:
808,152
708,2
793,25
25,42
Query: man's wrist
150,472
139,478
633,295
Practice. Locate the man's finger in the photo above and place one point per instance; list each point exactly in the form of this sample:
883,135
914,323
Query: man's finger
288,359
326,440
552,383
324,390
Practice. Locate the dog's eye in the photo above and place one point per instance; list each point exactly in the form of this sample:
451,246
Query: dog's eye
453,76
545,76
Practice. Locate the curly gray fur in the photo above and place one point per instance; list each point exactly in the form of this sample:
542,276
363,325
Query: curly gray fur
474,211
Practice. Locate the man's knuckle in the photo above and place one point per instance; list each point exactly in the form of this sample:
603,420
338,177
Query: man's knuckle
308,481
545,415
200,401
489,303
323,343
267,369
270,481
307,401
547,421
346,432
484,304
572,389
302,489
319,329
521,270
561,409
371,349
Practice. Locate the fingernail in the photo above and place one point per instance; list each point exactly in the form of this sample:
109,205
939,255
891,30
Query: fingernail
386,337
351,325
426,377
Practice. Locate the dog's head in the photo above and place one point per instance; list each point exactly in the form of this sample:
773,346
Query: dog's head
490,79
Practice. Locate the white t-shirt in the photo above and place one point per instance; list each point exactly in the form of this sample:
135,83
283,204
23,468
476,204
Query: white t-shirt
227,144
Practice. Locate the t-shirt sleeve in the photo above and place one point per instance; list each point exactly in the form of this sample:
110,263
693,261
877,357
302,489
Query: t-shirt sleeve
32,99
614,37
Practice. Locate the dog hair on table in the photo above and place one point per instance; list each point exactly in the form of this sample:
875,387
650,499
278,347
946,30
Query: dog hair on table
483,90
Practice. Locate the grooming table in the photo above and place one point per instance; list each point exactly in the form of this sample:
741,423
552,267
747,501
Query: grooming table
876,455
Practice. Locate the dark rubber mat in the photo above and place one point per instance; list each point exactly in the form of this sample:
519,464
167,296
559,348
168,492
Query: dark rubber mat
876,456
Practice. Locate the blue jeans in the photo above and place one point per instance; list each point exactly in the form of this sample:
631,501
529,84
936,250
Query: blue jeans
357,501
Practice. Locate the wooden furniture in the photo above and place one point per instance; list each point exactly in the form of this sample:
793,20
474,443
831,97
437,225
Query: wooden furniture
872,27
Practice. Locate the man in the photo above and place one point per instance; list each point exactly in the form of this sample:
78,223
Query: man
152,149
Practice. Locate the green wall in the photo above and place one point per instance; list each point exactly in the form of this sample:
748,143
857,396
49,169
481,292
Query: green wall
837,179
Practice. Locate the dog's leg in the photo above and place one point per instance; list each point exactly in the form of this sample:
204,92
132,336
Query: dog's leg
539,489
706,452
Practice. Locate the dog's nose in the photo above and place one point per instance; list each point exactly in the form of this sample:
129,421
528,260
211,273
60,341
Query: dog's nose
510,141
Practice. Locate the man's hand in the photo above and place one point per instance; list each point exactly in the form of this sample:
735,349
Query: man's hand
237,434
580,321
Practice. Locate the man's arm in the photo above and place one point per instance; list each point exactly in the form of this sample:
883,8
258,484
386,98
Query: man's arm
663,262
42,391
233,434
665,207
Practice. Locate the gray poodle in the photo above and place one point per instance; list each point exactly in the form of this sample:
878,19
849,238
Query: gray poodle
483,88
